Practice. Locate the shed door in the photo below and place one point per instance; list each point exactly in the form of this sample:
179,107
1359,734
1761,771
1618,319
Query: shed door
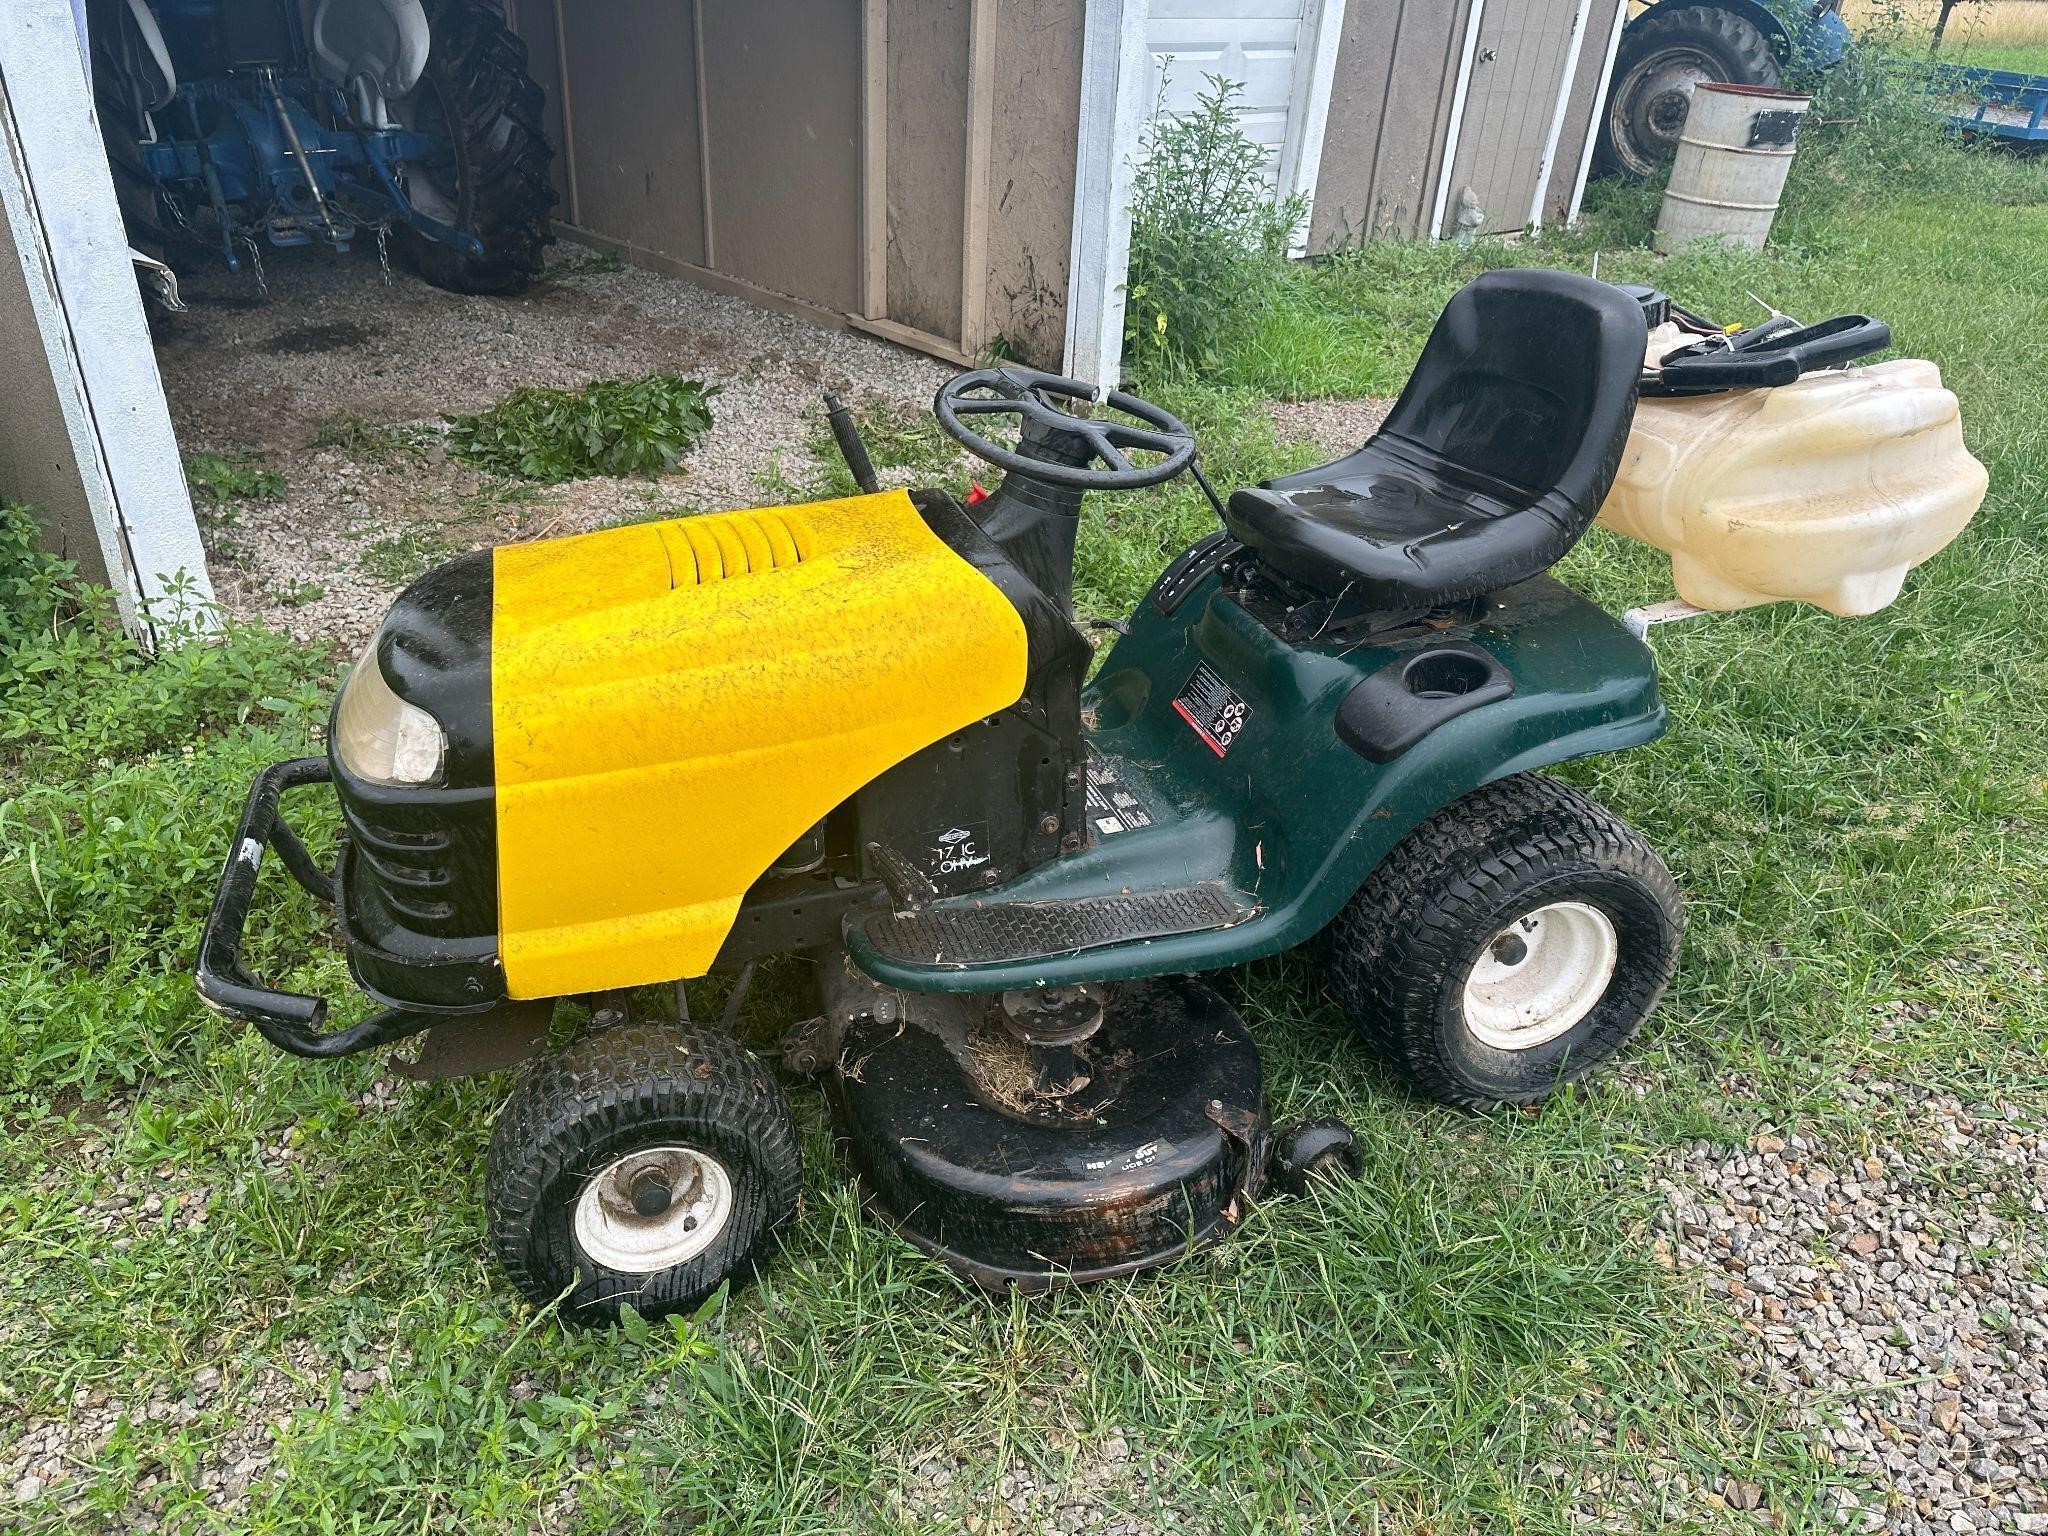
1523,49
1283,52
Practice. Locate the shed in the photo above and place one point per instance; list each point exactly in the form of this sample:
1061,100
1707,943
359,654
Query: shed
1440,104
951,174
843,159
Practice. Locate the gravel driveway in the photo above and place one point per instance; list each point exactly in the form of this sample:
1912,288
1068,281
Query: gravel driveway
333,348
1898,1300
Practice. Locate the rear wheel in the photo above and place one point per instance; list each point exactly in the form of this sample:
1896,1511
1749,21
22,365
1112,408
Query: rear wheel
492,182
1662,57
1512,943
642,1166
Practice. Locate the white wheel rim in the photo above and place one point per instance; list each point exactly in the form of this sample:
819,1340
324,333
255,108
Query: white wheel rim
1540,975
615,1232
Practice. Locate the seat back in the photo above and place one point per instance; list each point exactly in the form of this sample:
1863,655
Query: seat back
1491,465
382,43
1528,382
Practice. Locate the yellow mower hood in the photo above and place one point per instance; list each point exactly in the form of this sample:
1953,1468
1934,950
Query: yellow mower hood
674,704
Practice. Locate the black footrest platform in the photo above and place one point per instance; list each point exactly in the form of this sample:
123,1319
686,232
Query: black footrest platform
1003,932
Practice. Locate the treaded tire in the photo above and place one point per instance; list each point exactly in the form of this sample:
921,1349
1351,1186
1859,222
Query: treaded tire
1730,47
476,72
1400,952
621,1089
135,191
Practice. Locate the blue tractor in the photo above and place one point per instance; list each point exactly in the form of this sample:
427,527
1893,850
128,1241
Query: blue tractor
242,124
1673,45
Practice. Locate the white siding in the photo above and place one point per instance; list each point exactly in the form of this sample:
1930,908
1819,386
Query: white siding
74,338
1282,52
1254,42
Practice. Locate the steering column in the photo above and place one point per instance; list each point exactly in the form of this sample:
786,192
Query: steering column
1060,455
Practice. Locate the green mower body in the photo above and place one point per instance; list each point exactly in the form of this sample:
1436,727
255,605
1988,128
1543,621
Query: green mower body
1260,796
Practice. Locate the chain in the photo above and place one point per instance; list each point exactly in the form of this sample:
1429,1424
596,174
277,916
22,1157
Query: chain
384,252
256,265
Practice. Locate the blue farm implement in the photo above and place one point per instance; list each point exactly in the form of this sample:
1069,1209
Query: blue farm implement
240,124
2001,103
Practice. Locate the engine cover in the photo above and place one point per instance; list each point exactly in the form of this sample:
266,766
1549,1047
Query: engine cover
1031,1166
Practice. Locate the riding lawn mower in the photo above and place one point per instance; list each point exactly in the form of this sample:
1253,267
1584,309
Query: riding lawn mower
865,732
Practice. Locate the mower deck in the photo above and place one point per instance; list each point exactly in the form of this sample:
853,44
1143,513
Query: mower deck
1033,1165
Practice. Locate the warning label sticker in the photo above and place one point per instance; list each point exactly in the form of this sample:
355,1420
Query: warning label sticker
1213,708
1112,807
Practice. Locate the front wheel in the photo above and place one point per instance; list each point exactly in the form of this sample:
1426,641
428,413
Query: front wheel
641,1166
1512,943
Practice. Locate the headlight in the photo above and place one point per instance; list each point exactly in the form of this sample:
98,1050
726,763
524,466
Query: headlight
380,737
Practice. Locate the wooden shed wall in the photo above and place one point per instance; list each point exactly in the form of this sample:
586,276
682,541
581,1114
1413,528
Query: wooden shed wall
739,145
1390,108
1394,97
1030,178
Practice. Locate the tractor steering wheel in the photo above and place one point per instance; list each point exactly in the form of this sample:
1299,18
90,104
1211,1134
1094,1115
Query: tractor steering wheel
1029,395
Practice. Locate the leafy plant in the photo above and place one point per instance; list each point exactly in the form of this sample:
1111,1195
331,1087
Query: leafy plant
1208,238
611,427
225,477
35,586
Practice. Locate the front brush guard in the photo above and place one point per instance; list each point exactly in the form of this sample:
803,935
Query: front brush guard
291,1021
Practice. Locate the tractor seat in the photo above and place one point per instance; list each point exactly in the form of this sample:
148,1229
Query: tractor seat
1490,466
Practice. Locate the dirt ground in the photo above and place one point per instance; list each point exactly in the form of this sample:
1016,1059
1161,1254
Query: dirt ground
309,376
306,379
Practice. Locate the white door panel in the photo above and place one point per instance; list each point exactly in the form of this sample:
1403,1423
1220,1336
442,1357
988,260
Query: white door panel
1282,52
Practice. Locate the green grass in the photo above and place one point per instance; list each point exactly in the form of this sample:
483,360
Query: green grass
401,553
2024,58
897,439
221,478
1467,1339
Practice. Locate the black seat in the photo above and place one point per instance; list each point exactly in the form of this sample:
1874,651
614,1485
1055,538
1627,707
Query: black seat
1491,465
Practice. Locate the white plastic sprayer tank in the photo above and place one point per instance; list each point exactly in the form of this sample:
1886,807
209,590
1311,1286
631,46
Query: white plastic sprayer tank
1732,161
1826,491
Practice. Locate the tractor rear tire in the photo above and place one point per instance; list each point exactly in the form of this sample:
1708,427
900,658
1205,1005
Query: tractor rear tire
1662,54
476,82
1512,943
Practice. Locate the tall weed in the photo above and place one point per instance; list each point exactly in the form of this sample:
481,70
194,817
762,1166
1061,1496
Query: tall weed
1208,238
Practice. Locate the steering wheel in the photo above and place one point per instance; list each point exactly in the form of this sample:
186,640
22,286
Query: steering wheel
1029,395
